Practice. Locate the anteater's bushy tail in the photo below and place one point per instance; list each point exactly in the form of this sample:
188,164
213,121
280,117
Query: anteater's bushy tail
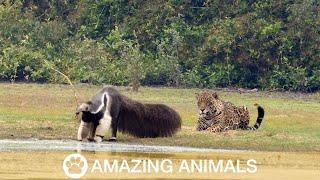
147,120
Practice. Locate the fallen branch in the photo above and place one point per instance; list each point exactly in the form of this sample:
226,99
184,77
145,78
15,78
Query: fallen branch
69,81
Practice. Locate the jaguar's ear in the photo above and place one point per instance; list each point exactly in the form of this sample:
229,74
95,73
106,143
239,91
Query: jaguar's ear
214,95
197,95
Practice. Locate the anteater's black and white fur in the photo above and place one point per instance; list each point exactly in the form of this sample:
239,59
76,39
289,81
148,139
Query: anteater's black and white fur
109,108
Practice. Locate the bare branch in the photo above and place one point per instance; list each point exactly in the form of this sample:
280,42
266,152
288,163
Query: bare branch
69,81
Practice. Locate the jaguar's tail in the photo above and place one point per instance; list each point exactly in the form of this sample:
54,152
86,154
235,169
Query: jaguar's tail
259,118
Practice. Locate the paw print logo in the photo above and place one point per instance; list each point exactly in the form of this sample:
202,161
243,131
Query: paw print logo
75,166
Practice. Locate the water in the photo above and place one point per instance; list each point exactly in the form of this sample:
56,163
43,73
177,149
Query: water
72,145
43,159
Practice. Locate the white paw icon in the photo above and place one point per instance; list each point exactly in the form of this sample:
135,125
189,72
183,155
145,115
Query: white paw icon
75,166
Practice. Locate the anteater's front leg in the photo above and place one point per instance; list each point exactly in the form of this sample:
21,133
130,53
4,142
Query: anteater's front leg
92,131
115,113
85,130
102,128
114,129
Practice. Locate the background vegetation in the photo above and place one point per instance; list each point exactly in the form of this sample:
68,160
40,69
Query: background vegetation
267,44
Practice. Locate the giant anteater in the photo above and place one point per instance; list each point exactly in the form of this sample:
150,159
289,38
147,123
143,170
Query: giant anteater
109,108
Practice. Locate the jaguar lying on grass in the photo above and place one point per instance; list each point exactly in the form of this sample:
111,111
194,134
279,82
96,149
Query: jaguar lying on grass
216,115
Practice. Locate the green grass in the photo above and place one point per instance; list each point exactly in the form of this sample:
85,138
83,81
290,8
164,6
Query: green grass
292,121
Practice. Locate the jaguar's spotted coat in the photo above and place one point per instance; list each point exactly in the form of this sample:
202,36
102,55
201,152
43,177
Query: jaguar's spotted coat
216,115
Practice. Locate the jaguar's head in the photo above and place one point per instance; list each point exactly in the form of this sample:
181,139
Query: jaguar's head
206,102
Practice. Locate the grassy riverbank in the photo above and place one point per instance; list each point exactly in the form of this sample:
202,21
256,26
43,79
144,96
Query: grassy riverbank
47,112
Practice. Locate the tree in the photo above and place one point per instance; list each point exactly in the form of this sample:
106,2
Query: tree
168,51
128,52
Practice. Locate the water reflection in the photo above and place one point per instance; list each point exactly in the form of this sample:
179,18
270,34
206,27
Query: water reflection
72,145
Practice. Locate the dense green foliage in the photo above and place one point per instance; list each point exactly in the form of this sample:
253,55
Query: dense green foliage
266,44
